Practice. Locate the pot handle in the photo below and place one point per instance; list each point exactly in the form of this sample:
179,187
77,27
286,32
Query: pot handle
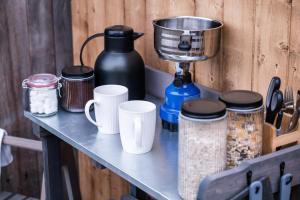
185,43
85,43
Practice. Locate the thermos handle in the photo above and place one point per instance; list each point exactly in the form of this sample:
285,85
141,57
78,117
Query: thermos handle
85,43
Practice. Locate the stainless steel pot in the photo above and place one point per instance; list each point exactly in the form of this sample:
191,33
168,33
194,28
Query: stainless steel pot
187,38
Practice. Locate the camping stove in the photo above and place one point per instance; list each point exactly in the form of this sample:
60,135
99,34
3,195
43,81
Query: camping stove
183,40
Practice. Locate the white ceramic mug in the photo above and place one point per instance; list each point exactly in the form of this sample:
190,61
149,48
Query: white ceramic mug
137,126
106,101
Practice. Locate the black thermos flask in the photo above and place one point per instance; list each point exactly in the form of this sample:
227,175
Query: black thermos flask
119,63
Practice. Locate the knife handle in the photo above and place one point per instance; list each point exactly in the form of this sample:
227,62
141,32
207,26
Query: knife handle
279,119
276,105
255,191
285,186
273,86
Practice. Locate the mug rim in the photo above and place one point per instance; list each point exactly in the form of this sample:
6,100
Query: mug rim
151,107
123,90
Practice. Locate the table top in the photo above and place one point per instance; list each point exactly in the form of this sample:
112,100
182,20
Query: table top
154,172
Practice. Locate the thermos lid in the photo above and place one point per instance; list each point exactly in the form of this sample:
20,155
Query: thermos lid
203,109
242,99
77,72
118,31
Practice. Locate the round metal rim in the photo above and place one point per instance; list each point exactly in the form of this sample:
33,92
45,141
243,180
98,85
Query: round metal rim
154,22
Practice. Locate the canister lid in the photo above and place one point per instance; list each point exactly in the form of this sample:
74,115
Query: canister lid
77,72
242,99
203,109
41,81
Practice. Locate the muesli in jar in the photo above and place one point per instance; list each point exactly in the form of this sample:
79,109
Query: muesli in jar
245,125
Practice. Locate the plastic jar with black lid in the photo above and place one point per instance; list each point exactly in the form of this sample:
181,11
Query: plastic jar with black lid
245,125
202,143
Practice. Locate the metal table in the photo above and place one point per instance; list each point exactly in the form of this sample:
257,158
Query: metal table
154,172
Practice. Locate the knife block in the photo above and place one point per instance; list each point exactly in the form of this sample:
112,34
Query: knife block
271,141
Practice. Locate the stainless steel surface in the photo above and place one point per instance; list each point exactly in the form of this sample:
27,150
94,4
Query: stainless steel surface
154,172
187,38
288,100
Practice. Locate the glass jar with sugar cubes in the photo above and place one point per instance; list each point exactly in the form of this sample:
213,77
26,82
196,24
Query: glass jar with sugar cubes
41,94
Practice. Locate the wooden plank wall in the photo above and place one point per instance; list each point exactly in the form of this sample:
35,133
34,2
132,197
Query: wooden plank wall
35,37
260,39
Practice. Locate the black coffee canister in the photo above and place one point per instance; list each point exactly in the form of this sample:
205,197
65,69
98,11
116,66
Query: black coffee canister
77,87
119,63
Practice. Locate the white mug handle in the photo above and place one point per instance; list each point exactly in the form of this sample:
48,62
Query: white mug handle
87,111
138,133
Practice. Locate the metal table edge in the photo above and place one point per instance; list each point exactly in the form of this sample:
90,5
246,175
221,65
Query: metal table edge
155,194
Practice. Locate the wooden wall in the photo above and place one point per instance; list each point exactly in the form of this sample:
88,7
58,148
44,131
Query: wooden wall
35,37
260,39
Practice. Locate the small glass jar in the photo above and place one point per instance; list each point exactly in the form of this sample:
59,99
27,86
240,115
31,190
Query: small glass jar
77,87
202,144
245,125
41,94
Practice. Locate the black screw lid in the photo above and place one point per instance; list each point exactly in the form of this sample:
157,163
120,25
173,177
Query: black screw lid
77,72
242,99
118,31
203,109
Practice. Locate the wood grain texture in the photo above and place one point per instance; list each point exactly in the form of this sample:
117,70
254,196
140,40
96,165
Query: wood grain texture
270,139
238,44
35,38
272,34
23,175
294,59
79,28
115,12
6,122
61,25
85,177
209,72
135,16
154,11
96,17
98,184
41,48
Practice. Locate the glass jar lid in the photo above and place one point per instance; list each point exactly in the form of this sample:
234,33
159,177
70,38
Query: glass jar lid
77,72
242,99
42,81
203,109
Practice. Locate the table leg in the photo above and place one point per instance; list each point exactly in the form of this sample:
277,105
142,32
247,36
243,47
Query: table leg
68,160
52,166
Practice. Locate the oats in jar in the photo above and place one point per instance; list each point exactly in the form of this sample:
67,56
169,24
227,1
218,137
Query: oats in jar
202,144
